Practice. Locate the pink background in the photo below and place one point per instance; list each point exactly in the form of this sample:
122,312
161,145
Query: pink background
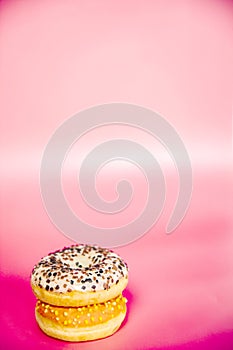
175,57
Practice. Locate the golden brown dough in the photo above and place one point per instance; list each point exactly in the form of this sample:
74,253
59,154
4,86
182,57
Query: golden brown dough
81,323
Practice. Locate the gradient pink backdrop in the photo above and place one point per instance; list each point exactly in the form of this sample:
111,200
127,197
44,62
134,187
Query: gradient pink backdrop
59,57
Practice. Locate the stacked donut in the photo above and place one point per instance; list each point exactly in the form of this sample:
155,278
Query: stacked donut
79,292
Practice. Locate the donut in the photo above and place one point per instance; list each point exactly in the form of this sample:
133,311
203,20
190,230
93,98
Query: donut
79,275
79,291
81,323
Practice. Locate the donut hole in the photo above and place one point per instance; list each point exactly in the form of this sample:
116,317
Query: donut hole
72,259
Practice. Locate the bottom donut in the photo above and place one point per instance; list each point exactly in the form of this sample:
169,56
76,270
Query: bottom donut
81,323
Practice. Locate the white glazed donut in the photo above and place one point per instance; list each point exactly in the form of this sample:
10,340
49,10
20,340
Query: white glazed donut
79,275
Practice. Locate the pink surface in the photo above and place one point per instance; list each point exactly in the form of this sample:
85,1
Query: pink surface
58,57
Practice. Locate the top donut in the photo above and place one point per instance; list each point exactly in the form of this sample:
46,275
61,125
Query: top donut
79,268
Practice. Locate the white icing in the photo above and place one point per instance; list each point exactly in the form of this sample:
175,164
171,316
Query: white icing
79,268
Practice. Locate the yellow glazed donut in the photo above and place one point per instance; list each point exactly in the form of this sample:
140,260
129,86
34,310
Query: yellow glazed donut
81,323
79,291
